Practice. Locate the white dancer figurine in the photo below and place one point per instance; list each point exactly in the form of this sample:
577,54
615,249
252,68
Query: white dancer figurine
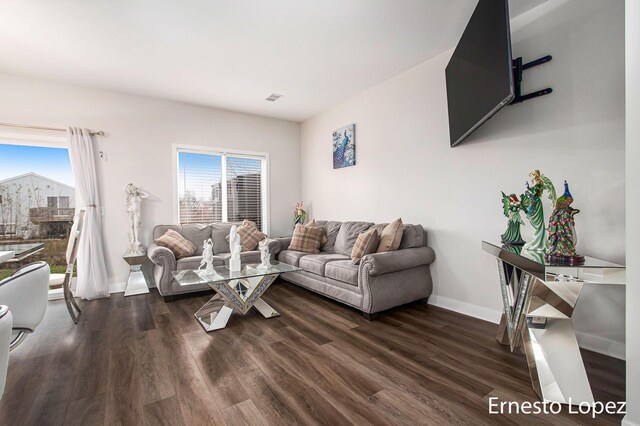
134,202
207,257
265,256
234,246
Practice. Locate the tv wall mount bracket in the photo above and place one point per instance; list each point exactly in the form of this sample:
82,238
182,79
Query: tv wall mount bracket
518,67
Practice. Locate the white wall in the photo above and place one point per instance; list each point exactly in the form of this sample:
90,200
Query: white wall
632,39
138,148
406,168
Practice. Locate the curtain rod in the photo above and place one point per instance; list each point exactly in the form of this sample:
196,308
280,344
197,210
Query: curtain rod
55,129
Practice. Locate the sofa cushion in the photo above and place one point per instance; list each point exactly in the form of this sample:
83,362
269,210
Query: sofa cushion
252,256
193,262
196,233
391,236
219,231
347,236
366,243
412,236
306,239
316,263
291,257
179,245
331,229
342,270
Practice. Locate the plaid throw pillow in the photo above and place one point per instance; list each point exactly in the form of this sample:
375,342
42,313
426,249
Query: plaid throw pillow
366,243
306,239
179,245
250,235
313,224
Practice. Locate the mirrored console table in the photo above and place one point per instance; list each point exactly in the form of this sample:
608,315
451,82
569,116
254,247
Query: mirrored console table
539,298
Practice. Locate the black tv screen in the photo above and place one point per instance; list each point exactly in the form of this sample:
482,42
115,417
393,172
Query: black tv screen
479,74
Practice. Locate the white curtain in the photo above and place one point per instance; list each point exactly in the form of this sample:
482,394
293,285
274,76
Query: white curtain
92,271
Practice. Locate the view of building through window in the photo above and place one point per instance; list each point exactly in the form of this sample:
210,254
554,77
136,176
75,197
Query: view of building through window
37,205
202,196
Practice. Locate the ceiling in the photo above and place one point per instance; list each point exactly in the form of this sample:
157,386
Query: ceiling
230,53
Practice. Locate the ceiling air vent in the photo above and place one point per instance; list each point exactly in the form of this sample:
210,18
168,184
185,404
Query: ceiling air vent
273,97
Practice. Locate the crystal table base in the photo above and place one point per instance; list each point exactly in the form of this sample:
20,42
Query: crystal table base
215,314
537,318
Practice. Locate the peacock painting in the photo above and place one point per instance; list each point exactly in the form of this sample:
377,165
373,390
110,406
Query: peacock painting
344,147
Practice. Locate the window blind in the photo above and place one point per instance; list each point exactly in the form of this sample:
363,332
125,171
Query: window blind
244,189
204,196
199,175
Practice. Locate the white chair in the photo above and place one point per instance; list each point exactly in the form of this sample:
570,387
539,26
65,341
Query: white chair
64,280
25,292
6,322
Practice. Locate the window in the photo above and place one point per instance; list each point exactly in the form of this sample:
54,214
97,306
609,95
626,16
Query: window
38,200
63,202
215,186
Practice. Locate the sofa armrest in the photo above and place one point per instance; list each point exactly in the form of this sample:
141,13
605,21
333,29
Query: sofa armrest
399,260
164,263
274,247
284,242
161,256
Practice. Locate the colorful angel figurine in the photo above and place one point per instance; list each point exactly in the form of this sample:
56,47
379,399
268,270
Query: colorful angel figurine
511,207
562,232
532,203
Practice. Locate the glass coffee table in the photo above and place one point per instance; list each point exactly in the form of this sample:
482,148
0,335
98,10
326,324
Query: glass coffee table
21,251
239,291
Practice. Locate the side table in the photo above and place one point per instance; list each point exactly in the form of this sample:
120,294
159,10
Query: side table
539,298
136,283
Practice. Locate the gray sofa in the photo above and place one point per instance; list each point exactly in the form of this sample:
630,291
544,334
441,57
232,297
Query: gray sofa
381,280
165,263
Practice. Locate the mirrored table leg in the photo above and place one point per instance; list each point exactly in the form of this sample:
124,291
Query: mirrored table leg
265,309
215,314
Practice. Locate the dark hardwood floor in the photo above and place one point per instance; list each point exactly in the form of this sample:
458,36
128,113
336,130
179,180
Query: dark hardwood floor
139,360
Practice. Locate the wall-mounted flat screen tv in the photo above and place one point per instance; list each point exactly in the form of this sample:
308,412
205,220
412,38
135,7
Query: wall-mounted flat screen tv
479,75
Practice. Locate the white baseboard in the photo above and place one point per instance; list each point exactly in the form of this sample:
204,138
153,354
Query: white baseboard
590,342
117,287
601,345
466,308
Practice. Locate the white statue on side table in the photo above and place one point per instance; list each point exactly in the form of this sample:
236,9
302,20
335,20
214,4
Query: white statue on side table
207,257
265,256
234,246
134,202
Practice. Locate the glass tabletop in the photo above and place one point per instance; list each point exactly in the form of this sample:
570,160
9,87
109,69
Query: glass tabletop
222,273
21,248
241,289
515,253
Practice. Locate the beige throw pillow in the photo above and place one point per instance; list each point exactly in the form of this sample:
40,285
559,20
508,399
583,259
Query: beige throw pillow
179,245
391,236
366,243
306,239
250,235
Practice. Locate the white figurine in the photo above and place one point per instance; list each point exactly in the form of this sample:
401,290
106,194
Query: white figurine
134,202
207,257
234,246
265,256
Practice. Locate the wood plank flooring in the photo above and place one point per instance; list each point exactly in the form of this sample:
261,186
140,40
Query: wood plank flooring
139,360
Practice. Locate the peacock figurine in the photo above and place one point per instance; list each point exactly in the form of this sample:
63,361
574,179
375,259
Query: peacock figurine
565,199
561,233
